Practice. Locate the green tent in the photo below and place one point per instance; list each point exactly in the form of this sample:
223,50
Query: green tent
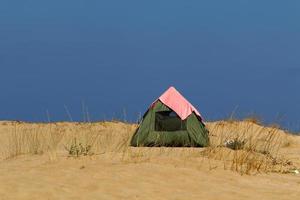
171,121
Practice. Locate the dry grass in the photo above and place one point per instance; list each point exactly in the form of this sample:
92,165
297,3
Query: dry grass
52,138
248,148
254,119
258,149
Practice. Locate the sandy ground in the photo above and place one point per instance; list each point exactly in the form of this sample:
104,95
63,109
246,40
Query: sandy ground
106,176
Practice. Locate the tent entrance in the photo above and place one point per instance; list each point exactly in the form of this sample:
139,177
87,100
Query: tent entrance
169,121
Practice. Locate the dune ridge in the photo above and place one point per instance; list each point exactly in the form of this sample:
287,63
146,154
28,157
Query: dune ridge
67,160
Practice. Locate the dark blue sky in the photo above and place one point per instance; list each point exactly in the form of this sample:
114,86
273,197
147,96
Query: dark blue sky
115,55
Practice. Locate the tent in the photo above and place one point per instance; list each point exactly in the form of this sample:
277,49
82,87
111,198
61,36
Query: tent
171,121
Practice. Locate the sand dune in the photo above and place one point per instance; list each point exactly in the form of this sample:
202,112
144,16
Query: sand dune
38,166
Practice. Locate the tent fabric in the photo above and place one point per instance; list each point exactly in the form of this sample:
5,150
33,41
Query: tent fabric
174,100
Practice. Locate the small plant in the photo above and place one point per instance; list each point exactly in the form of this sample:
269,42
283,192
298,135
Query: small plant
235,144
78,149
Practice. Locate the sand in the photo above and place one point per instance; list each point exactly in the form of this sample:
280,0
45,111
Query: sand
111,175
